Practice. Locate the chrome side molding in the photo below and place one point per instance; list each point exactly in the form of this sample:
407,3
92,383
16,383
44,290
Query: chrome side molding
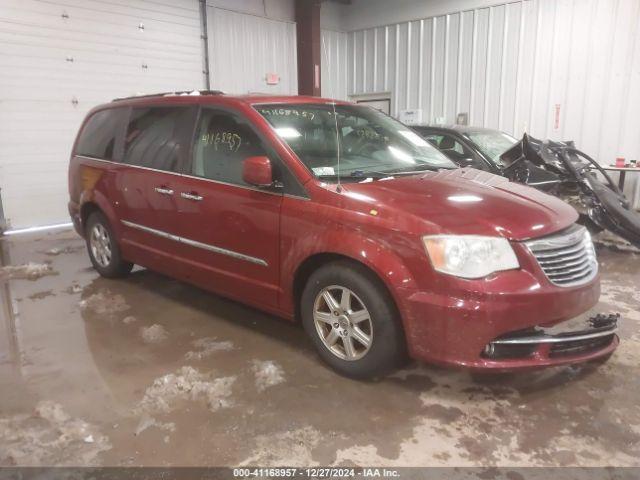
194,243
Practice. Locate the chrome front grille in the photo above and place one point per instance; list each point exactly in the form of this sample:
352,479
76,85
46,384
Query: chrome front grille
567,258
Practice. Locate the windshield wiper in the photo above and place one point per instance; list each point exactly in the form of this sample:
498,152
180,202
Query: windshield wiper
415,170
377,175
357,175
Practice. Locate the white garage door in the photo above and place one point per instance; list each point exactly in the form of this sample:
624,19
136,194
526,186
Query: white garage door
58,59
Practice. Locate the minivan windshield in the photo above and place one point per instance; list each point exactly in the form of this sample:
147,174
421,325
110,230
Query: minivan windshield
371,144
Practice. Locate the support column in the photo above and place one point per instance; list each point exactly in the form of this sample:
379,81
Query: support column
204,35
309,46
3,222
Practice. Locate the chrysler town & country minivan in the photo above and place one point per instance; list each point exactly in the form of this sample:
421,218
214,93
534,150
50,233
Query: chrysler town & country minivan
338,216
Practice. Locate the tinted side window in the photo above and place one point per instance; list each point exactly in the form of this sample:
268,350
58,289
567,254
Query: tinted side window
433,139
448,143
456,151
99,135
156,136
222,143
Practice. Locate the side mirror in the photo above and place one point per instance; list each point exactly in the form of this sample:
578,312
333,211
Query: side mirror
257,171
465,162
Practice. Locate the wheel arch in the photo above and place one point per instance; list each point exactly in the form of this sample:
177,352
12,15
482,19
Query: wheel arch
305,270
317,260
86,210
94,201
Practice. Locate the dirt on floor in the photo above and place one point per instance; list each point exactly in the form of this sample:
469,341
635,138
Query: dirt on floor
121,372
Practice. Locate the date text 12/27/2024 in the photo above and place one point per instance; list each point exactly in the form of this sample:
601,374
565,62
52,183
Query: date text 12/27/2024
316,472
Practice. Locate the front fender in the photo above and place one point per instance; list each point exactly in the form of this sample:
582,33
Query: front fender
352,244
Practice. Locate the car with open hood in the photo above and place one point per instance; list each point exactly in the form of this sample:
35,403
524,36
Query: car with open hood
338,216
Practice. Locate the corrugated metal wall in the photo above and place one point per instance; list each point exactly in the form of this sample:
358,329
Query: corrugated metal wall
335,63
58,59
244,48
560,69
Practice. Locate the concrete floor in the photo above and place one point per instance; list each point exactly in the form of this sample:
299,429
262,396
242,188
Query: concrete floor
149,371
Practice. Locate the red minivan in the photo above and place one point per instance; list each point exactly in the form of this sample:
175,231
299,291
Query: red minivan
339,216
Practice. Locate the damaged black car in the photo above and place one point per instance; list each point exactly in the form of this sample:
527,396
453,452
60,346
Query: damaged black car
557,168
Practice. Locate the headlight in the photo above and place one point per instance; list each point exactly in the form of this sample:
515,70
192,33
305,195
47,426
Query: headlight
469,256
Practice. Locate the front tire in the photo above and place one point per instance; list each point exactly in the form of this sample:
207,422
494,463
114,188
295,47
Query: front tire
352,321
104,251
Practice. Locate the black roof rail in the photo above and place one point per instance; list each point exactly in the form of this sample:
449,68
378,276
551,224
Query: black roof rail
168,94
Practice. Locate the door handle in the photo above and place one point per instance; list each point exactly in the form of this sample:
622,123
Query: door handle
164,190
191,196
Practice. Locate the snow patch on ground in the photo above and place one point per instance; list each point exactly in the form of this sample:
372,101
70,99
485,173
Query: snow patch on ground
41,295
129,319
104,303
500,423
285,448
207,346
54,252
49,436
268,374
187,384
154,334
75,288
28,271
147,422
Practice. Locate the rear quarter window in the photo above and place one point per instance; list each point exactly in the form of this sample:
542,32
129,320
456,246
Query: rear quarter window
99,137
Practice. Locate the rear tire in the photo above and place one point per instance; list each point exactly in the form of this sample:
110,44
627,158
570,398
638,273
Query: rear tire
104,251
352,321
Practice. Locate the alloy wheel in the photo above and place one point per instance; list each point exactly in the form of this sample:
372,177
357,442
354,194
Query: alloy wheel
343,323
100,243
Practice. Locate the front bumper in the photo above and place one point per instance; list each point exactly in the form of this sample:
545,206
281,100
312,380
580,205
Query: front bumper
459,329
552,347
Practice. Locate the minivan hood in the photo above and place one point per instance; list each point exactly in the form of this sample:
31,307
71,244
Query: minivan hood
468,202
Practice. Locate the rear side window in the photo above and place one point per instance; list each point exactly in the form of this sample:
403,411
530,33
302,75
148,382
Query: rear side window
99,136
158,137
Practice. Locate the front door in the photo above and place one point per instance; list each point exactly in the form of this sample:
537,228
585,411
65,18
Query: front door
229,230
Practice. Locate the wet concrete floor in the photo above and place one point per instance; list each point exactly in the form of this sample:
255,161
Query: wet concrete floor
150,371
